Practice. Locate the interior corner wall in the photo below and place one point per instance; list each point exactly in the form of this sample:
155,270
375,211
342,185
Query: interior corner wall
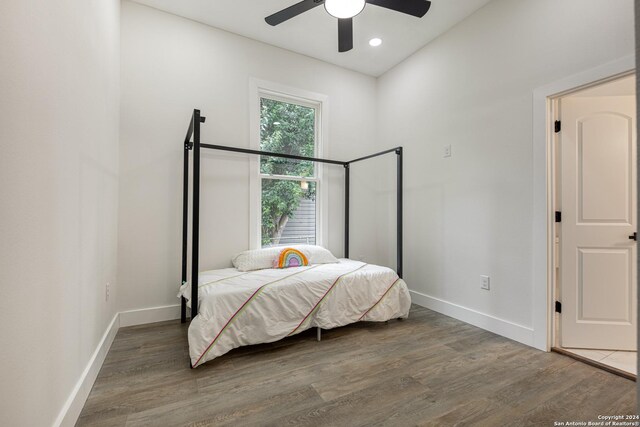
59,101
472,88
171,65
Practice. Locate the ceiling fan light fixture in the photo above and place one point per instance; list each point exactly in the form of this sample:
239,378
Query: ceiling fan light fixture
343,9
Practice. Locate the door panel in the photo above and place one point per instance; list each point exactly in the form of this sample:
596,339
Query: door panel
604,169
598,303
598,201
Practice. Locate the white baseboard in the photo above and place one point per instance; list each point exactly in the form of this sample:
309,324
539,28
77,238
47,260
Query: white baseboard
70,412
490,323
149,315
73,406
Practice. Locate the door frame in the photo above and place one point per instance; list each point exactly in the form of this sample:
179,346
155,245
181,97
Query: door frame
543,226
558,331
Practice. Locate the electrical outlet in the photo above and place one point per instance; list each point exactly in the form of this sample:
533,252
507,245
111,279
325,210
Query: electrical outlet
484,282
106,296
447,151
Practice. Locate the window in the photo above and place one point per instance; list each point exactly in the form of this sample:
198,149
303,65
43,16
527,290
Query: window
288,188
288,198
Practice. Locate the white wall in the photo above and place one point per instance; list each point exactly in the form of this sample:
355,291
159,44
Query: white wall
59,105
172,65
471,214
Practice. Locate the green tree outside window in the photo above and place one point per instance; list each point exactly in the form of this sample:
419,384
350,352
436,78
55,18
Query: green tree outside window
290,129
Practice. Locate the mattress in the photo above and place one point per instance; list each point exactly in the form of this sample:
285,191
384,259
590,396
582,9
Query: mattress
243,308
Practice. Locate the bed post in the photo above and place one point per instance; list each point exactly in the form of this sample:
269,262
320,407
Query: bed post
399,211
346,210
195,223
185,213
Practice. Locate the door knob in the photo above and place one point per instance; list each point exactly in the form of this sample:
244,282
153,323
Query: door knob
634,236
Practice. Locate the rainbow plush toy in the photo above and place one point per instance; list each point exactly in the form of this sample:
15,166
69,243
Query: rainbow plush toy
290,257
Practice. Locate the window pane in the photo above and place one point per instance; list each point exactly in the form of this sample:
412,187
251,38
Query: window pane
288,212
289,129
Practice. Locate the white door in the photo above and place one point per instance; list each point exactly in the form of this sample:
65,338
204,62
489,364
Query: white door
598,203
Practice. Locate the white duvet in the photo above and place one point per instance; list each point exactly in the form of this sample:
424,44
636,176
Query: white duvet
242,308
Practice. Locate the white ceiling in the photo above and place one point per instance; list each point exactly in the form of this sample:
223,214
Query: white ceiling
315,33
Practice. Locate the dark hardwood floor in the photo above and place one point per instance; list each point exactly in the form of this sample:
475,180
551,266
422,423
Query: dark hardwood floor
427,370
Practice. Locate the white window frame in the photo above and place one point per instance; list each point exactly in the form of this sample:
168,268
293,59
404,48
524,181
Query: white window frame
264,89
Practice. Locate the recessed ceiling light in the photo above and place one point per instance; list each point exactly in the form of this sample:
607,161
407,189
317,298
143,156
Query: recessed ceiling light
375,42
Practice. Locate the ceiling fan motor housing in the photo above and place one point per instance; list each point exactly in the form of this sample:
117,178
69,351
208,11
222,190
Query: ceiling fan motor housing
343,9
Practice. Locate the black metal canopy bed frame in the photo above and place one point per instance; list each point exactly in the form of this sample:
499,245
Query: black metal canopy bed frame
196,146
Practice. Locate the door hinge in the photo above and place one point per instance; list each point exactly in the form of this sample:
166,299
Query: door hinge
558,307
557,126
558,216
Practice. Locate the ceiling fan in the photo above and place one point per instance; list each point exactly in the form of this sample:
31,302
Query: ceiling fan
345,10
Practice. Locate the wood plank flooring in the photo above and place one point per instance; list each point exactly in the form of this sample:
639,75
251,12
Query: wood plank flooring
427,370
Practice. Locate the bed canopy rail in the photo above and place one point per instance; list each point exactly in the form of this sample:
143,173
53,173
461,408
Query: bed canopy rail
192,143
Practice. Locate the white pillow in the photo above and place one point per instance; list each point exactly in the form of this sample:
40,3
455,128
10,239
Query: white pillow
316,254
259,259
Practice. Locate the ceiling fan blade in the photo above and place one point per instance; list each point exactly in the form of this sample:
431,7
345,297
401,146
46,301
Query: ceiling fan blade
345,34
292,11
416,8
